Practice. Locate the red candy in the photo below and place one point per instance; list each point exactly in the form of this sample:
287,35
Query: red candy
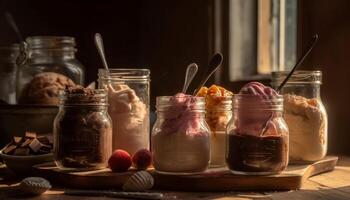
120,161
142,159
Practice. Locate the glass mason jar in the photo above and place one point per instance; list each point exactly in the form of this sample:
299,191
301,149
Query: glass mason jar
217,117
50,66
82,131
128,97
180,136
305,115
8,68
257,142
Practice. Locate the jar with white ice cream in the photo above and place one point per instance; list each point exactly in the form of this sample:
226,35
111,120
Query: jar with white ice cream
128,97
180,136
305,115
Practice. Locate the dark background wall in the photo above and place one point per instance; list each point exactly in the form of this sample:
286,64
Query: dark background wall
165,36
331,20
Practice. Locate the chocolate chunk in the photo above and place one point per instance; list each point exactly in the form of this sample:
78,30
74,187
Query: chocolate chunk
35,145
26,142
46,138
50,138
46,148
10,149
43,151
21,151
17,140
43,140
30,134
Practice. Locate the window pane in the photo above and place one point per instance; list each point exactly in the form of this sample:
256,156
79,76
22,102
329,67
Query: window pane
262,37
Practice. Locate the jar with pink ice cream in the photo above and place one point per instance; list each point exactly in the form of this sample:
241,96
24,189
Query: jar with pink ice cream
128,97
180,137
257,142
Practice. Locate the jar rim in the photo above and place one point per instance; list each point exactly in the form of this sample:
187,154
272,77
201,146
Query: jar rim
220,103
51,42
298,77
253,102
98,98
168,98
122,74
164,102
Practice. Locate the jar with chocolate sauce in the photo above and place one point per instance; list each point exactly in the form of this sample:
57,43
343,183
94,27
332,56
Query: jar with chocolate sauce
257,136
82,130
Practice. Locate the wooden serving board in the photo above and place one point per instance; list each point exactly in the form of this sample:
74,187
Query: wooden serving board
214,179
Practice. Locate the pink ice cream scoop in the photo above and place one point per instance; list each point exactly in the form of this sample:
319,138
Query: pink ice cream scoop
258,89
254,113
179,115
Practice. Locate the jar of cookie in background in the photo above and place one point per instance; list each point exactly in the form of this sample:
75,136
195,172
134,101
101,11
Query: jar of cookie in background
82,130
8,68
128,97
50,66
305,115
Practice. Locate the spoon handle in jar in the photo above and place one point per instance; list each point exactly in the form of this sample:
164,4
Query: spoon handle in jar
191,72
301,60
100,49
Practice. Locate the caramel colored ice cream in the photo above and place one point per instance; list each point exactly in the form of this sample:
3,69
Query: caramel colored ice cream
43,89
218,113
307,123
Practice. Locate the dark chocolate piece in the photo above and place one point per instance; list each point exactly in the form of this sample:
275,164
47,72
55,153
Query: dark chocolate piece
17,140
10,149
50,138
43,140
26,142
29,134
21,151
46,148
35,145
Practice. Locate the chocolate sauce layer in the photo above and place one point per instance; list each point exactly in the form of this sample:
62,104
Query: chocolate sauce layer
248,153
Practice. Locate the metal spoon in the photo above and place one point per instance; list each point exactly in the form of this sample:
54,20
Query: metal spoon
12,23
301,60
214,64
100,49
191,72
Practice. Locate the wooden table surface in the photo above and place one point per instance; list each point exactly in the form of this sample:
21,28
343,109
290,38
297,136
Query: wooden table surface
333,185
